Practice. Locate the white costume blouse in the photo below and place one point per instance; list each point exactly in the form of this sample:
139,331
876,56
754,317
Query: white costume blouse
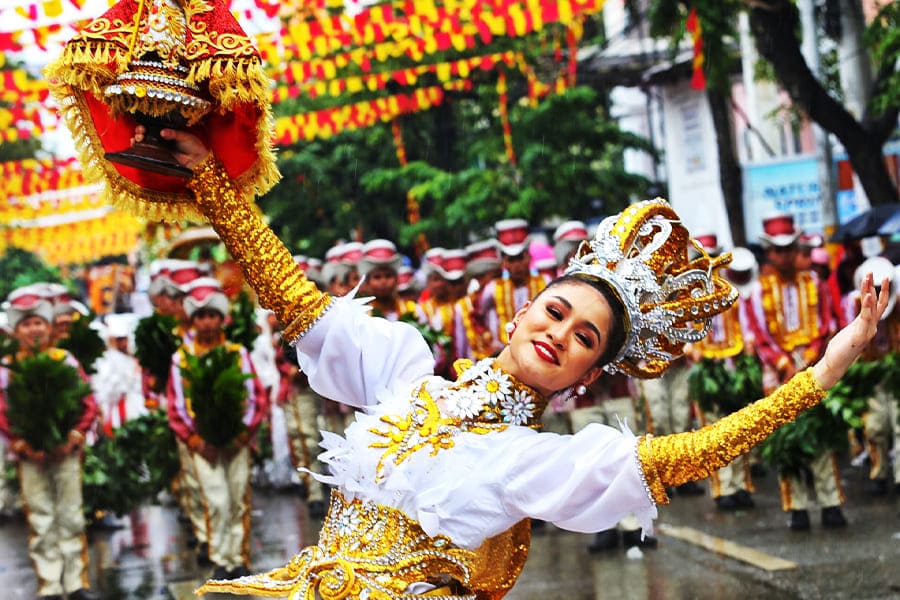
484,483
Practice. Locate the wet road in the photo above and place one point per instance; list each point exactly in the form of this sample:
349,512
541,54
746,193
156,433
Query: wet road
702,553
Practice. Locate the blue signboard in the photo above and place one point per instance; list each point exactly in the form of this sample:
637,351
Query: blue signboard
785,186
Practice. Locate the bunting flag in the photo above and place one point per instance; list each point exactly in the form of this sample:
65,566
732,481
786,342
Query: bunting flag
420,27
399,145
18,88
328,122
504,117
694,27
47,208
86,238
316,85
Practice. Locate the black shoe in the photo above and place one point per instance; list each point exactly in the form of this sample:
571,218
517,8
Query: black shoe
833,517
220,573
736,501
632,539
203,555
877,487
83,594
691,488
608,539
240,571
744,499
799,520
50,597
727,503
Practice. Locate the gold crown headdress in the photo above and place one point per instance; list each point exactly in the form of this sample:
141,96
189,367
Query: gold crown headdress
669,296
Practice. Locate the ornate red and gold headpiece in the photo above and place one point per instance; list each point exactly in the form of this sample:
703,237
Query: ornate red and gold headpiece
157,58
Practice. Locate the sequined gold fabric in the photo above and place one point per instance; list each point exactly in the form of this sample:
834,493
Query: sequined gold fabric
482,400
267,264
365,551
671,460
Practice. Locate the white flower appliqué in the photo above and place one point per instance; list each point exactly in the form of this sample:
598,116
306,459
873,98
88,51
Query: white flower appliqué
517,408
494,385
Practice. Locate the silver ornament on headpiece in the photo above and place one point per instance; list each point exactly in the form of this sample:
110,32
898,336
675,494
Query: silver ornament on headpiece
669,294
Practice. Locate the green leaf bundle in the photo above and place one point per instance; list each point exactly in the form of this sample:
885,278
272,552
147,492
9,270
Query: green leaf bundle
242,327
84,343
131,468
721,389
155,342
215,384
824,427
849,398
45,400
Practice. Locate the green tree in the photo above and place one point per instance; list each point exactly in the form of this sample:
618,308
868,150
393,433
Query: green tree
667,19
569,160
20,267
569,165
775,25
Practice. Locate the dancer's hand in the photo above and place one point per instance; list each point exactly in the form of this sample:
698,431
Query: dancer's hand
190,151
850,341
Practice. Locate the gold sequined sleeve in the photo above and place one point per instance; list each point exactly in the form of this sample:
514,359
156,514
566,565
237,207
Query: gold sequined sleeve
266,263
671,460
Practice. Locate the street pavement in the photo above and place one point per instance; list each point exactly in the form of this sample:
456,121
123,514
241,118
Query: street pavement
702,553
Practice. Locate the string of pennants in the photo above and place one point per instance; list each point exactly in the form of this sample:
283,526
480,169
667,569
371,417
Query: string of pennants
47,207
333,57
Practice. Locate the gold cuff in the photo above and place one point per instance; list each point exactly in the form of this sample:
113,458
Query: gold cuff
266,263
671,460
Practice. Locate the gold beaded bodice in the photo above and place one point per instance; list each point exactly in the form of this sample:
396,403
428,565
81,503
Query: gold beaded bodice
371,552
483,399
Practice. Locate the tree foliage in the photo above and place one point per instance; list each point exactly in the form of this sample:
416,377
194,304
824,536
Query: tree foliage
569,165
883,39
20,267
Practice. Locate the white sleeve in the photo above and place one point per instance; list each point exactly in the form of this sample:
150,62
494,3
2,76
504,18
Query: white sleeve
354,358
586,482
583,482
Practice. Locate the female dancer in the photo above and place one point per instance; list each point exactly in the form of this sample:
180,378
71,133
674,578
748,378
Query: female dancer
435,481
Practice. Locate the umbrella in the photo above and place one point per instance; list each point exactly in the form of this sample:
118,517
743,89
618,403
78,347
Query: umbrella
891,225
866,224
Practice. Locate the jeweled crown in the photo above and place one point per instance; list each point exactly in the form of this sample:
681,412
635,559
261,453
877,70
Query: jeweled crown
669,285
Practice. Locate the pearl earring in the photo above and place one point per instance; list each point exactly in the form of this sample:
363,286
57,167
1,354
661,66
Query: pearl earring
581,390
510,327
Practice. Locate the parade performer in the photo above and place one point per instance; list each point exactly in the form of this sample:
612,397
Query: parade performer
435,480
214,408
471,337
789,316
726,357
49,468
504,296
881,422
378,268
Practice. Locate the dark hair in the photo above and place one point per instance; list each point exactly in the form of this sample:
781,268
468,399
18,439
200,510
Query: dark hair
615,338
